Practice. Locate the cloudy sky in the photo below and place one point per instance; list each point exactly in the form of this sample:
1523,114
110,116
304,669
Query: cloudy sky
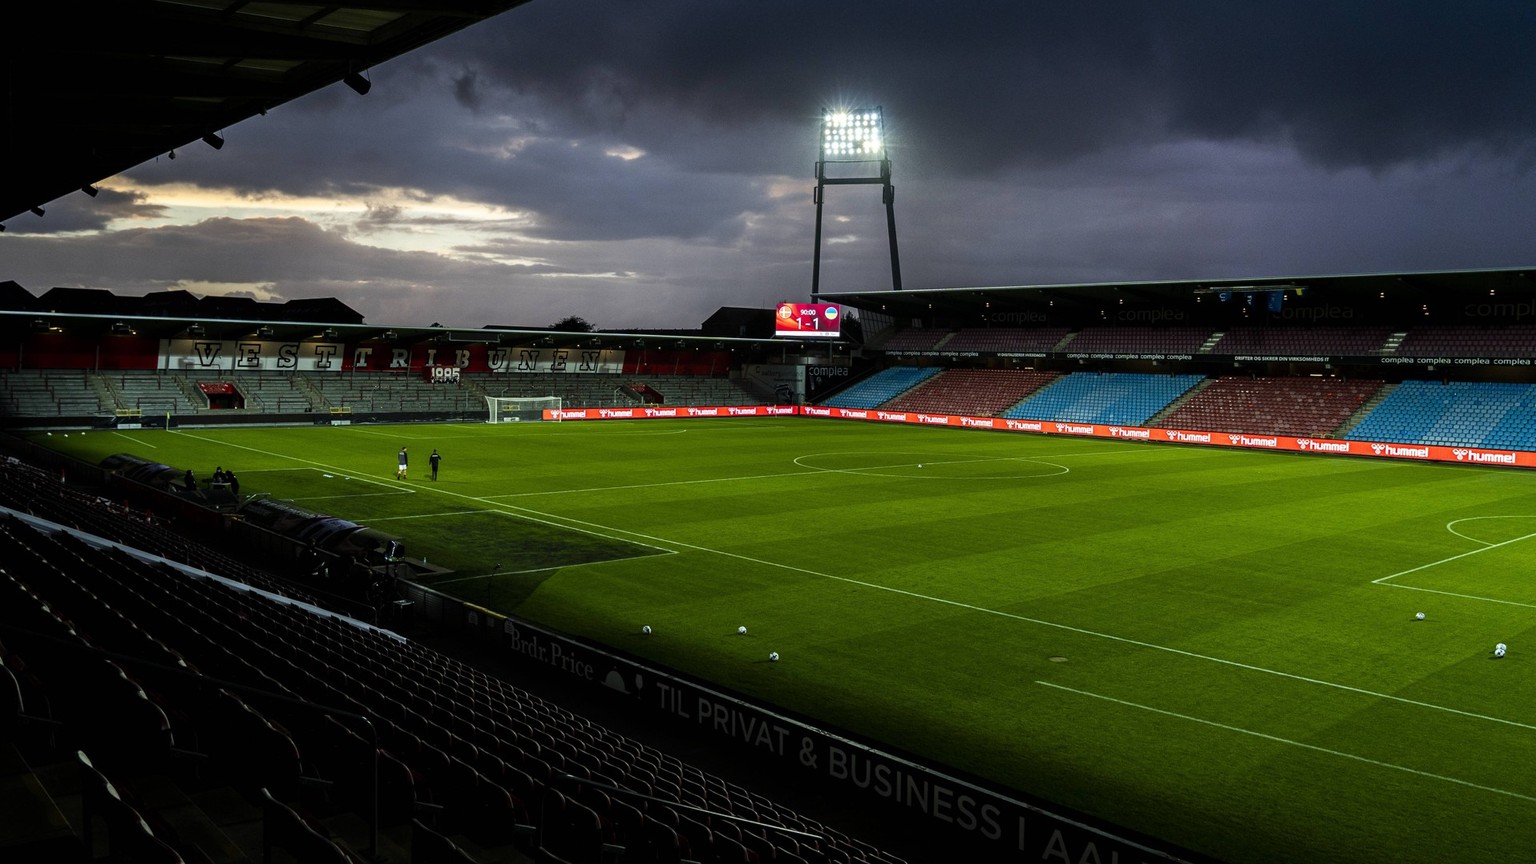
640,163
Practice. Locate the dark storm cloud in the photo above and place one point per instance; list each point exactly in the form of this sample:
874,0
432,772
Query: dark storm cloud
640,162
77,212
989,84
521,111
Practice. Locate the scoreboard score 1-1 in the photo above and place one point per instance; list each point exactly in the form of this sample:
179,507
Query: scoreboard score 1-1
808,320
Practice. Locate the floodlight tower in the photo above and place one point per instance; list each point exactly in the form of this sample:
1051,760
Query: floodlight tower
854,142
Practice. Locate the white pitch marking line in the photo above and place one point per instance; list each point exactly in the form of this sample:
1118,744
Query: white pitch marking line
427,515
1067,627
650,485
504,509
1453,522
806,473
564,521
1486,546
358,495
321,466
136,441
501,573
1384,579
1302,744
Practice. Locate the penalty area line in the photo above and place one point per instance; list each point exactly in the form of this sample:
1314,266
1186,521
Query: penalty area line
1291,742
429,515
1384,579
1386,582
493,574
1041,622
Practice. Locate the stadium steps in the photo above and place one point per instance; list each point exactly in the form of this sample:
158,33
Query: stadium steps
1394,342
1157,419
196,398
1209,345
303,384
102,386
1364,410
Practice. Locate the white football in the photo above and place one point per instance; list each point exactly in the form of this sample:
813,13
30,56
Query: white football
646,630
1420,616
774,656
742,630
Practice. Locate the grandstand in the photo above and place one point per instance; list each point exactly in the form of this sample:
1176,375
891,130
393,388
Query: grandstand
1089,397
1316,407
1455,414
884,386
216,684
502,766
192,674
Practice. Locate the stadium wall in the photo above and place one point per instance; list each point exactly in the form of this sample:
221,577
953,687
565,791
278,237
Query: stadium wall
963,817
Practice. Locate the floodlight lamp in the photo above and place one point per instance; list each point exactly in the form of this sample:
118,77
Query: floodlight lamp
854,136
214,140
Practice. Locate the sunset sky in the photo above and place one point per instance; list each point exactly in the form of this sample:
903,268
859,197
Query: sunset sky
642,163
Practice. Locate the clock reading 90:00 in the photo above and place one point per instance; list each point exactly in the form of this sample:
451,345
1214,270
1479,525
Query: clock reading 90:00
808,320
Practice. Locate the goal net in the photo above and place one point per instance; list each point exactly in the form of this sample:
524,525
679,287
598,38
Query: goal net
514,409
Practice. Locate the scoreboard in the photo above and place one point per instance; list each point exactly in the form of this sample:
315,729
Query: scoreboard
808,320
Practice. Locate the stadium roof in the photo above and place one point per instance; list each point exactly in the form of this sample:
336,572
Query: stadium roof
94,89
1411,287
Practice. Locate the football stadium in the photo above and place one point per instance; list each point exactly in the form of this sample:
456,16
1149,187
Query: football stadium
1165,571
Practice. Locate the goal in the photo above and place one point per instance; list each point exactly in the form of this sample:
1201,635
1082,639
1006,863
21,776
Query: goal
513,409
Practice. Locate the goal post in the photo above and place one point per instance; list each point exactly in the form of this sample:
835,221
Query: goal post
514,409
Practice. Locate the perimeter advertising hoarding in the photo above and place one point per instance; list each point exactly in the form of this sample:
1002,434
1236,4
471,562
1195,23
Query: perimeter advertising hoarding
808,320
668,413
1285,443
981,823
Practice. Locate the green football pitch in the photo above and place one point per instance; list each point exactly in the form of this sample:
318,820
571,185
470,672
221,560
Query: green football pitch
1215,647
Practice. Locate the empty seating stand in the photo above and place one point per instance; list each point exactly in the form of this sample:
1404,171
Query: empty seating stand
470,756
1314,407
882,386
1456,414
1112,397
971,392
